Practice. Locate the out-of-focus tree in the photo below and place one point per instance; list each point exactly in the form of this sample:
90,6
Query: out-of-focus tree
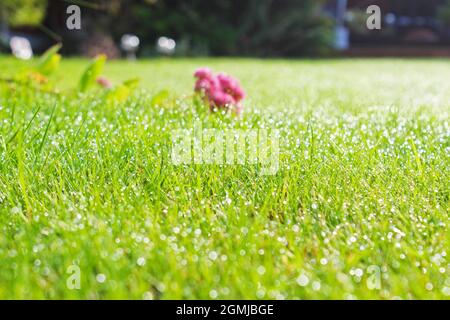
246,27
202,27
22,12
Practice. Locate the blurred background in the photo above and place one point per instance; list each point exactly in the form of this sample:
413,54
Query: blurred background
257,28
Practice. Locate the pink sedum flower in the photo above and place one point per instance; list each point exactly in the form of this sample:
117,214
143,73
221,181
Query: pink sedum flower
220,91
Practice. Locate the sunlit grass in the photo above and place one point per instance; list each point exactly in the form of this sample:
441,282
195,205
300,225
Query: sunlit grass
362,190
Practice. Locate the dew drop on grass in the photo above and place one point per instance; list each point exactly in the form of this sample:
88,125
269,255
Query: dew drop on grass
358,272
260,294
446,291
261,270
316,286
213,294
141,261
302,280
101,278
213,255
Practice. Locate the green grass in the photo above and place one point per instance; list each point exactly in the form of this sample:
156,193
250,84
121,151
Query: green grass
363,186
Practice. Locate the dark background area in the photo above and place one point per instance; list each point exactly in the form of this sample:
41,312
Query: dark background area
261,28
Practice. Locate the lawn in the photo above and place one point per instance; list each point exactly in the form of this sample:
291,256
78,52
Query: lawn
358,209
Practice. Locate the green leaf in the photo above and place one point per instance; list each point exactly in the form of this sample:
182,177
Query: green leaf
159,98
118,94
132,83
121,92
49,61
92,72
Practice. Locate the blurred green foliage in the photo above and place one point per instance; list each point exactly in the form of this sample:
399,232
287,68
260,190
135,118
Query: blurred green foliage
23,12
213,27
247,27
444,14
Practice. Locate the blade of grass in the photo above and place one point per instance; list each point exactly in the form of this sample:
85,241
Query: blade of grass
45,133
22,175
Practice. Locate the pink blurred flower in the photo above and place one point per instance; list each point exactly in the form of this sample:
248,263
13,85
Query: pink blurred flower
227,82
207,85
221,99
104,82
239,94
203,73
220,91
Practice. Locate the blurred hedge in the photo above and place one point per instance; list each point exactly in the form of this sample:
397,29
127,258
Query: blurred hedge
22,12
218,27
200,27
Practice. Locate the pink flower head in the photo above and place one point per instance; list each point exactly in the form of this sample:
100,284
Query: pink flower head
207,85
203,73
231,86
239,94
104,82
227,82
203,85
220,91
221,99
